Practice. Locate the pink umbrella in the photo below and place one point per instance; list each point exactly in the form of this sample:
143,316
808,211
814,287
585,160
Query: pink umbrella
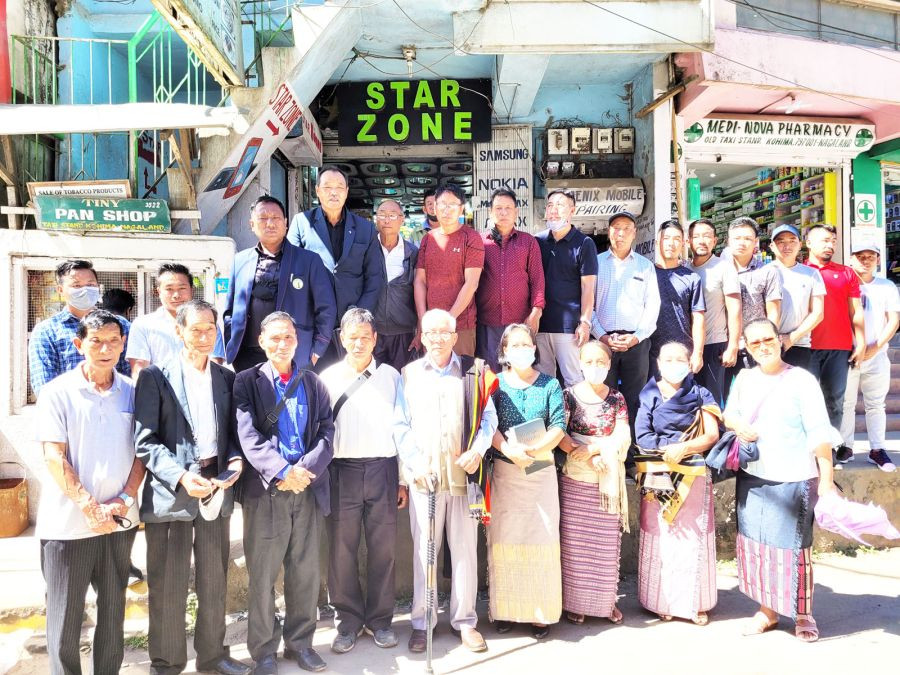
852,519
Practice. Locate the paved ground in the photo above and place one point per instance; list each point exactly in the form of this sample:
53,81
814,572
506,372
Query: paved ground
857,608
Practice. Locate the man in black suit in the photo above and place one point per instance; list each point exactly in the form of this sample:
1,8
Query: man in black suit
285,430
184,436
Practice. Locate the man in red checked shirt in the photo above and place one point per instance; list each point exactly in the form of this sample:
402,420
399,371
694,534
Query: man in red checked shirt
511,289
833,339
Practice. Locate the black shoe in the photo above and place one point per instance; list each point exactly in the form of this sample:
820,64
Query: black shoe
225,666
134,574
384,637
344,642
540,632
309,660
843,454
417,641
504,627
267,665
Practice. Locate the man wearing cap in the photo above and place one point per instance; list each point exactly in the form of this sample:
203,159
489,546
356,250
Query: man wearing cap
569,259
184,437
881,309
839,341
626,310
802,297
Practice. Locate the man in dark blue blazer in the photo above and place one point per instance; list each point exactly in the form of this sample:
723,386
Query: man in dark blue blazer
276,275
185,437
285,430
348,246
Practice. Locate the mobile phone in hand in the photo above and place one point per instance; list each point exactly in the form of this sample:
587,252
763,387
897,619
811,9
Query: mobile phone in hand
225,476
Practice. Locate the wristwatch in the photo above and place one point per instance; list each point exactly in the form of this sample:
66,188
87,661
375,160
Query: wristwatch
127,498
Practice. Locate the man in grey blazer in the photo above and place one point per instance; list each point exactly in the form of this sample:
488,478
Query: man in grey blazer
184,436
285,430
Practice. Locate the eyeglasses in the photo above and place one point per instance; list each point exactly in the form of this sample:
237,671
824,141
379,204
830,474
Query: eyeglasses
447,206
435,335
768,342
390,217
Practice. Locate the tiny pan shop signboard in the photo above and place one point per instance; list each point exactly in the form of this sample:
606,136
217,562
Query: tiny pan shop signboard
103,214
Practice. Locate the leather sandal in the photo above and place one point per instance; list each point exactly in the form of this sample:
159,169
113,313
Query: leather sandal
573,617
616,616
806,629
759,624
702,619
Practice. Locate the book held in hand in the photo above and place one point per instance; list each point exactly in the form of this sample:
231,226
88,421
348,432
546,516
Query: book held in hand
532,433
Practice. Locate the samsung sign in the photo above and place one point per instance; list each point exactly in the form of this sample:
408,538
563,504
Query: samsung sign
414,112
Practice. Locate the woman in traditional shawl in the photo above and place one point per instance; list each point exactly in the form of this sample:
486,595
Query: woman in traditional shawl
523,535
593,505
677,422
782,409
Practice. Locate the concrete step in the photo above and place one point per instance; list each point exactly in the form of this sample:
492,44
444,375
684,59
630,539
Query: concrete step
891,405
893,423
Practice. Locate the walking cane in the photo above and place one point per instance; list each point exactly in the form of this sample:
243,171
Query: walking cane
430,581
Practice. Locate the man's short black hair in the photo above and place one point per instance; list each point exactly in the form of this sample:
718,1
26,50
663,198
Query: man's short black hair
453,189
64,268
95,320
671,224
744,221
430,192
503,192
331,168
118,301
191,307
701,221
822,226
268,199
174,268
565,192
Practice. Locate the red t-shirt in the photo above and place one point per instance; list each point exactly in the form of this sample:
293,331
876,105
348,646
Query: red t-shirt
836,329
445,259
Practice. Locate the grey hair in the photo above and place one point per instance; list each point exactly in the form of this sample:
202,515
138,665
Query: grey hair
194,307
433,316
276,316
356,316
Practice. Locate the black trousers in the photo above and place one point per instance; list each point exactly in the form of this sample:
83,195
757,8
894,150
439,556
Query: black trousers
798,356
831,367
394,350
281,528
169,547
69,567
712,374
628,373
744,360
363,495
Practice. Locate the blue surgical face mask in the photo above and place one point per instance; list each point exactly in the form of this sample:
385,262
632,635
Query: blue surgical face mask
83,298
674,372
520,357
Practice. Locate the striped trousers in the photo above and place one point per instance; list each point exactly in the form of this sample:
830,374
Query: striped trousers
69,567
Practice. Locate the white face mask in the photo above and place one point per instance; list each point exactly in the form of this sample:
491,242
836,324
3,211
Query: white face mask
557,225
83,298
674,372
520,357
594,374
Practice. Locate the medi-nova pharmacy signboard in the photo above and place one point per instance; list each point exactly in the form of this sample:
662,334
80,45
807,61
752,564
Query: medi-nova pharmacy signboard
766,136
414,112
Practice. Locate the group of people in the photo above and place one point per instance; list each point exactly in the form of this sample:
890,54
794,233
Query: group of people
356,374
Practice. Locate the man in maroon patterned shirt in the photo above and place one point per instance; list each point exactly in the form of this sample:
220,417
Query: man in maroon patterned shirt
451,257
511,289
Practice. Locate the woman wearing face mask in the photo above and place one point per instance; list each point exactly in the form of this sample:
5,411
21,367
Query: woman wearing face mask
782,409
677,421
523,536
593,503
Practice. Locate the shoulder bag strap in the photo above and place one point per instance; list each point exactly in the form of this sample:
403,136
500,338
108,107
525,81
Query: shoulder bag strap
273,414
352,389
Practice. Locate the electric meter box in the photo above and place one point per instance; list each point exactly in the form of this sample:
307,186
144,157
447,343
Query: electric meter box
603,140
557,141
624,139
581,140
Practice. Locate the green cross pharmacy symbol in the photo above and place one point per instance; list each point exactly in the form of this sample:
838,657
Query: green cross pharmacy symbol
866,210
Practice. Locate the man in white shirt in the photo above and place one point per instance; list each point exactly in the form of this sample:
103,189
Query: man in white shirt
436,452
153,338
881,312
88,509
626,309
722,292
365,489
802,297
184,414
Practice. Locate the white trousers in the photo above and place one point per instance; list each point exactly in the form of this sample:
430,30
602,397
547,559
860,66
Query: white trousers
462,537
559,348
874,379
